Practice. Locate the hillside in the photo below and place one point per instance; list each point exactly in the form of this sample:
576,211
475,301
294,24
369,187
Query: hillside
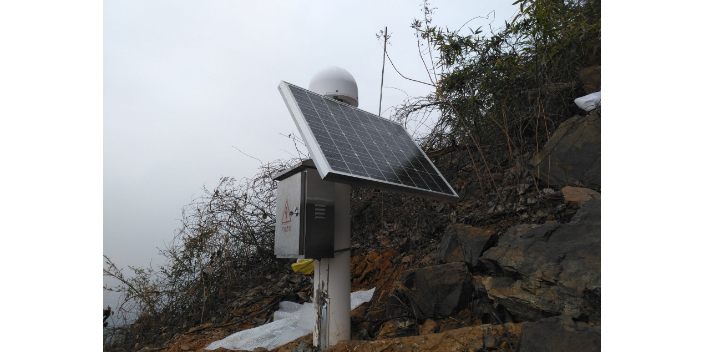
514,265
532,269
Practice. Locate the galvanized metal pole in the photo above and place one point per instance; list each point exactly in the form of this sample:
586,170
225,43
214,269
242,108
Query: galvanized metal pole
332,280
383,65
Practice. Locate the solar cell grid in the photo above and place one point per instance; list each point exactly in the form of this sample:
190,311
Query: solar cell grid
354,146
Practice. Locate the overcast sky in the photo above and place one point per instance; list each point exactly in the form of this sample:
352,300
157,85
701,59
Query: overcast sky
187,81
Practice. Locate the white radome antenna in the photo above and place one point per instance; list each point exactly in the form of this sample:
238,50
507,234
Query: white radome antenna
335,82
313,197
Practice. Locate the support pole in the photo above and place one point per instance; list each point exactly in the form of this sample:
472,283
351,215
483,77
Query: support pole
381,90
332,280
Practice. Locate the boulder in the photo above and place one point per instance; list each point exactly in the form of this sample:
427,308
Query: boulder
559,334
464,243
545,270
579,195
572,156
591,78
433,291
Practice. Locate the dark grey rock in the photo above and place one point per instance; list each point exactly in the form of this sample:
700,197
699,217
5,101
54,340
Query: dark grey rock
464,243
572,155
468,193
303,296
291,297
559,334
302,347
540,271
433,291
363,334
589,214
296,279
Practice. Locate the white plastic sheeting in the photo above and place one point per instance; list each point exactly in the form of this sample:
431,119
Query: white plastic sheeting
291,321
589,102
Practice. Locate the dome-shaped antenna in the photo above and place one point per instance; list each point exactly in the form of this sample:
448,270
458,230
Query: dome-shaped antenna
337,83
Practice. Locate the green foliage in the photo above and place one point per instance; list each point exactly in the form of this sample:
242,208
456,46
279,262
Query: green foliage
510,88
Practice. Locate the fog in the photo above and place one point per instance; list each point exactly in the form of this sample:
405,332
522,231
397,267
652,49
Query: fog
186,83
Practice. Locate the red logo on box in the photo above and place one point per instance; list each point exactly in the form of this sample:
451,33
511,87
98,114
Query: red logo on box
287,214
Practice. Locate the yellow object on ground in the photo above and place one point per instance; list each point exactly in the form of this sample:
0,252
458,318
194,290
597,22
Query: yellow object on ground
305,266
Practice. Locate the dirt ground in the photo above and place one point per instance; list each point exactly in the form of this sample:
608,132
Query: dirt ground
468,339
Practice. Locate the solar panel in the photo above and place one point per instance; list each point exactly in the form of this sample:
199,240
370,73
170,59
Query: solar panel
350,145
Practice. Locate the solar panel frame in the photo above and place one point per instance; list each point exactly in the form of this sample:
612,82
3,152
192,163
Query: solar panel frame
327,172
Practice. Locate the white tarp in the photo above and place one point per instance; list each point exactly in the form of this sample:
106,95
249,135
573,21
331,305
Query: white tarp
589,102
291,321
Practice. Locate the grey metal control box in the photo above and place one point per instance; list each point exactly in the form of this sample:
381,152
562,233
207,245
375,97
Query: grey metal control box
305,214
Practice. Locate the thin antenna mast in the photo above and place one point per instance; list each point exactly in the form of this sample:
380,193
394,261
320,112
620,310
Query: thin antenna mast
381,90
381,94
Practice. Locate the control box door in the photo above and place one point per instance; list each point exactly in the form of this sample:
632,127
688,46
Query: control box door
290,209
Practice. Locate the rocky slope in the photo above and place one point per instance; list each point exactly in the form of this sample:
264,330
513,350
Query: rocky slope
519,275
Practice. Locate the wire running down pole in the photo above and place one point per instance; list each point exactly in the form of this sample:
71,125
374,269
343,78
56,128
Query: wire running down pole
381,90
332,281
